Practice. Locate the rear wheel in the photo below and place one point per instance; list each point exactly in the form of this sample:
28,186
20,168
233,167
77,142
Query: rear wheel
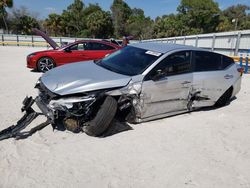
45,64
103,118
224,99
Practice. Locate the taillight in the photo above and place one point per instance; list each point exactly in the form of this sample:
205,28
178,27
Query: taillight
240,70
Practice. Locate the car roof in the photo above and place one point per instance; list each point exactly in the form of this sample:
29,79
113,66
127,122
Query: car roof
163,47
99,41
92,40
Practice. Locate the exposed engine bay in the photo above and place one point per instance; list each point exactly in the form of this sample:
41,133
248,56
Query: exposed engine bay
76,112
91,113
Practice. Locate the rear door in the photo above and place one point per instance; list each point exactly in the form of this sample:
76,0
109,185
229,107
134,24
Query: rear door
212,76
98,50
166,88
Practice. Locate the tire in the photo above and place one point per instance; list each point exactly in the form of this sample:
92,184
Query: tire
225,98
103,118
45,64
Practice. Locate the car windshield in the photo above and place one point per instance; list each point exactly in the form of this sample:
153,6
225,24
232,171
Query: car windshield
129,60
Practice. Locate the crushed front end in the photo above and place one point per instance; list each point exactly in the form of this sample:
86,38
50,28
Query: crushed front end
67,112
91,112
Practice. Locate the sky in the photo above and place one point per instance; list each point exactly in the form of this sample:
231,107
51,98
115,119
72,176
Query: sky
152,8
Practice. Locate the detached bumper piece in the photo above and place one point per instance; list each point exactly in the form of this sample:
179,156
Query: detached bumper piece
14,131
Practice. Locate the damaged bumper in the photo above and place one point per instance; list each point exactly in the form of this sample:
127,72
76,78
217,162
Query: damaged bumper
14,131
49,113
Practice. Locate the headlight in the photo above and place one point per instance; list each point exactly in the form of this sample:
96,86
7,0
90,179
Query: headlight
37,85
38,81
31,55
132,88
69,102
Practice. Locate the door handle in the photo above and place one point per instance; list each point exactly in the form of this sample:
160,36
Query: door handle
185,82
228,76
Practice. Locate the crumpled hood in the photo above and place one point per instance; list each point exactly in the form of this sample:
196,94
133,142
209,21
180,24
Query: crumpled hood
82,77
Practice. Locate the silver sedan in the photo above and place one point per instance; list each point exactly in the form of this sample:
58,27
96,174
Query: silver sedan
141,82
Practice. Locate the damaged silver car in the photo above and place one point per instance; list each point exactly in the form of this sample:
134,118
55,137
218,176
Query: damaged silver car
141,82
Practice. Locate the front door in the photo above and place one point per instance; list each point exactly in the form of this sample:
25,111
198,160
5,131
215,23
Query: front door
85,51
166,88
75,53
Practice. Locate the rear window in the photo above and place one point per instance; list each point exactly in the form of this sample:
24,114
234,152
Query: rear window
100,46
207,61
91,46
226,62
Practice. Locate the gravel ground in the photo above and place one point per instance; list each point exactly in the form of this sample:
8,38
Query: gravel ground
207,148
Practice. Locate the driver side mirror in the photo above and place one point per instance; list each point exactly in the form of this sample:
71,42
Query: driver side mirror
158,74
67,50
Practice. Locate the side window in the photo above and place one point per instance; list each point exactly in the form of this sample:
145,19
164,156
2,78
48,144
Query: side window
226,61
174,64
100,46
79,46
87,46
207,61
74,47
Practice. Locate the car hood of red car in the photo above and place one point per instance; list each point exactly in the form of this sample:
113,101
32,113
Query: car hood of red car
82,77
45,51
52,43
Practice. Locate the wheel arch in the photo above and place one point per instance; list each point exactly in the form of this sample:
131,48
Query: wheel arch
45,56
225,97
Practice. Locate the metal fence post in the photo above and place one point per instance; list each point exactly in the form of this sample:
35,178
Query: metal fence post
32,40
246,67
237,44
213,42
17,40
3,40
184,40
241,60
196,41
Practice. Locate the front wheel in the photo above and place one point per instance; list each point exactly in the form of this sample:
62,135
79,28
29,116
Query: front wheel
103,118
45,64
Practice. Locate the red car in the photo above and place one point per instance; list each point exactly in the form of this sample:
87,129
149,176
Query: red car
82,50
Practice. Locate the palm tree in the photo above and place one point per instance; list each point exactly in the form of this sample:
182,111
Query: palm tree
53,23
3,5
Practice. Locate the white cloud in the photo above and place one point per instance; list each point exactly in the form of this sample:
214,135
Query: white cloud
50,9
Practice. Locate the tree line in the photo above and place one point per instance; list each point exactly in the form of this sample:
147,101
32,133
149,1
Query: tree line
80,20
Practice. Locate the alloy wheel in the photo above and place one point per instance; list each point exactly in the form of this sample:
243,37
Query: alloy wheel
45,64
